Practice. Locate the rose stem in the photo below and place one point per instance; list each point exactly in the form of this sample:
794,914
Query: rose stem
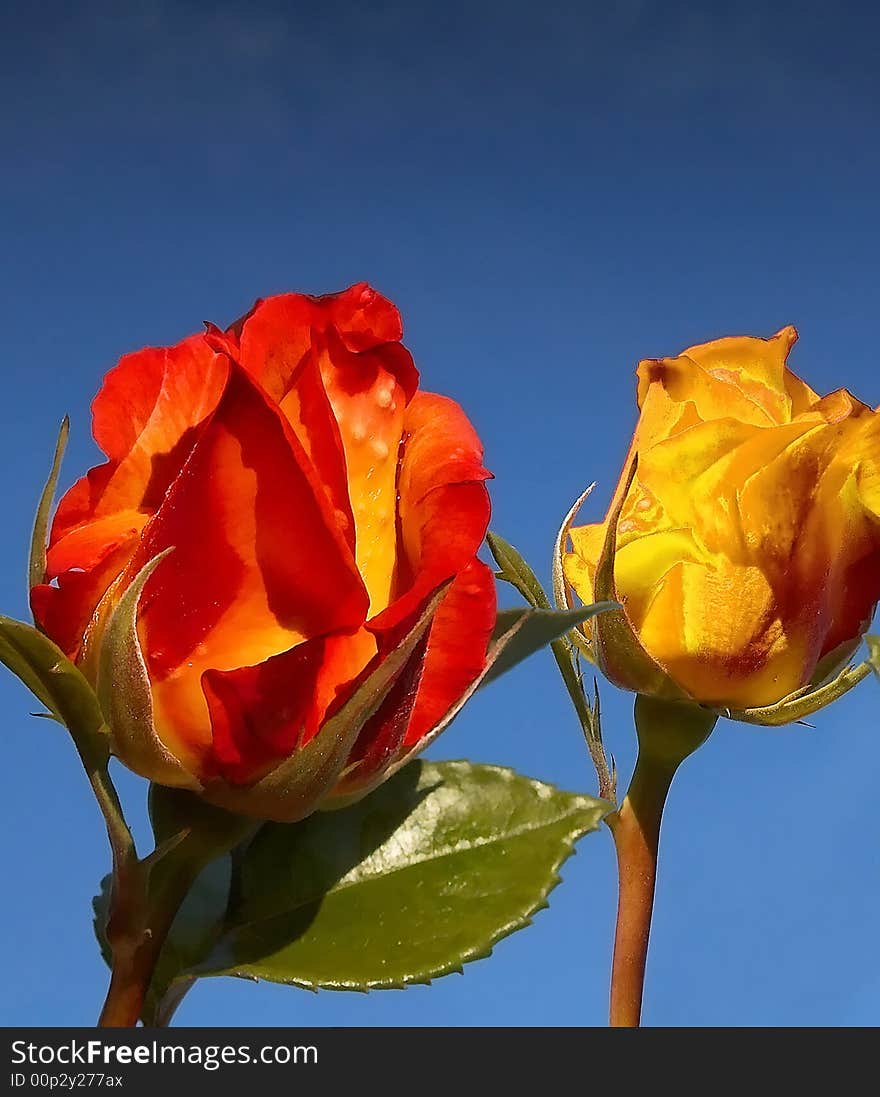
137,947
668,733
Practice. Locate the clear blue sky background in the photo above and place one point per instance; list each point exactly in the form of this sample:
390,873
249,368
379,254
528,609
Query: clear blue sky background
549,192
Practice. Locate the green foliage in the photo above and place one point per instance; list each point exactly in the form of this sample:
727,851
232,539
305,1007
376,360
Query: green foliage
427,873
538,628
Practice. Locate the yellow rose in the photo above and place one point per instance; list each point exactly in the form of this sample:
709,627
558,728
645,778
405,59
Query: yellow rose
747,550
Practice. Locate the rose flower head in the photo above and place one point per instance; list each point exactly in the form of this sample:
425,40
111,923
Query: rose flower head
745,547
272,581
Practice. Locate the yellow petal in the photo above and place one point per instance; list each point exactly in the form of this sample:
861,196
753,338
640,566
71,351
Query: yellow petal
756,369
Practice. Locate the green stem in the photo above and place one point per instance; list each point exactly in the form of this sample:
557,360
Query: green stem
147,897
564,654
120,837
137,932
668,732
172,999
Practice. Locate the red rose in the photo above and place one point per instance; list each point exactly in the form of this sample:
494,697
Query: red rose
314,503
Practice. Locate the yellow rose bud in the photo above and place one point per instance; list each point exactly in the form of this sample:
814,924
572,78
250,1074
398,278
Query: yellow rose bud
747,547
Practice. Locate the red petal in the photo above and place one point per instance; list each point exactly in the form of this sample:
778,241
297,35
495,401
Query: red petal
443,504
261,714
283,327
365,319
146,418
258,563
276,349
343,382
457,647
64,611
443,515
435,679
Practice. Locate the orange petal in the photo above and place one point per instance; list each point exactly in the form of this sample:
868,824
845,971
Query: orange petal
145,419
261,714
457,645
443,509
342,379
436,678
369,404
64,611
259,564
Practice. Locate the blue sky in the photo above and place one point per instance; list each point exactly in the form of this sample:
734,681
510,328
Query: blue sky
549,193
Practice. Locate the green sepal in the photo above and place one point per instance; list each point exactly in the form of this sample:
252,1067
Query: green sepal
53,679
530,630
514,569
873,643
123,688
518,634
797,706
561,589
37,556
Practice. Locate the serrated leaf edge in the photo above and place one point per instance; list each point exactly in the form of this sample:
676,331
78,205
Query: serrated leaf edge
586,803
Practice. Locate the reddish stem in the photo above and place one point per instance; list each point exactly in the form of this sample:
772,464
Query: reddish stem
636,831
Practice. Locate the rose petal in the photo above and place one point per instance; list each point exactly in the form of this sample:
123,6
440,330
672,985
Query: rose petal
457,645
443,509
258,565
145,419
261,714
343,381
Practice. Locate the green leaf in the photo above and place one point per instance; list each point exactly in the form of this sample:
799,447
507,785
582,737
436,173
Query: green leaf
422,876
539,627
513,569
37,559
50,676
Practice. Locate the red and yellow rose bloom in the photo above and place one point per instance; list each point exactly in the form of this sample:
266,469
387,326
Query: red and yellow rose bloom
305,502
747,543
